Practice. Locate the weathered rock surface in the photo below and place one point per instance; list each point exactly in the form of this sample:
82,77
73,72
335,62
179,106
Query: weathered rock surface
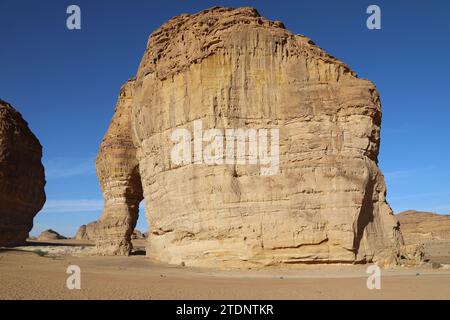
81,233
232,68
22,178
50,235
118,173
422,227
87,232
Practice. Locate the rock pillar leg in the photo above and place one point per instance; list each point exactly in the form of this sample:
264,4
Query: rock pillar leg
119,178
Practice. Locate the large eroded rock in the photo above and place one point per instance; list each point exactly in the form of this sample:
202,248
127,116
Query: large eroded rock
231,68
22,178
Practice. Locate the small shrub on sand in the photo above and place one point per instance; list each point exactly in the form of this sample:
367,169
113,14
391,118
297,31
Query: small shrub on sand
40,253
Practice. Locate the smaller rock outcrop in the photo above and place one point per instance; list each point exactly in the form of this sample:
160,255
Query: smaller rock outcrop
50,235
87,232
91,232
22,178
81,233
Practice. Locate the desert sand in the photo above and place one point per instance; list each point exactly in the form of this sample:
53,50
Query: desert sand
38,271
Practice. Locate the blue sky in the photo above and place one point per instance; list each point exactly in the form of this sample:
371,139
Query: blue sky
65,83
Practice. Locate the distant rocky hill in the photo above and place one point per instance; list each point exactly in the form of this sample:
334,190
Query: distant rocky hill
424,227
50,235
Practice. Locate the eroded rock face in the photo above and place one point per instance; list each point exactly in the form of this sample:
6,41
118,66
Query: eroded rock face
22,178
91,232
231,68
81,233
87,232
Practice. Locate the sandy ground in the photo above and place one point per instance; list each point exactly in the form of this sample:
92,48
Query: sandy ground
38,271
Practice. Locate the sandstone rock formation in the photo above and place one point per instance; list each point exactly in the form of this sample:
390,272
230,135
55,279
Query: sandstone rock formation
81,233
137,235
87,232
91,232
118,173
422,227
231,68
21,177
49,235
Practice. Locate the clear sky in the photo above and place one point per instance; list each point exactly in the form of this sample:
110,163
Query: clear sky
65,83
